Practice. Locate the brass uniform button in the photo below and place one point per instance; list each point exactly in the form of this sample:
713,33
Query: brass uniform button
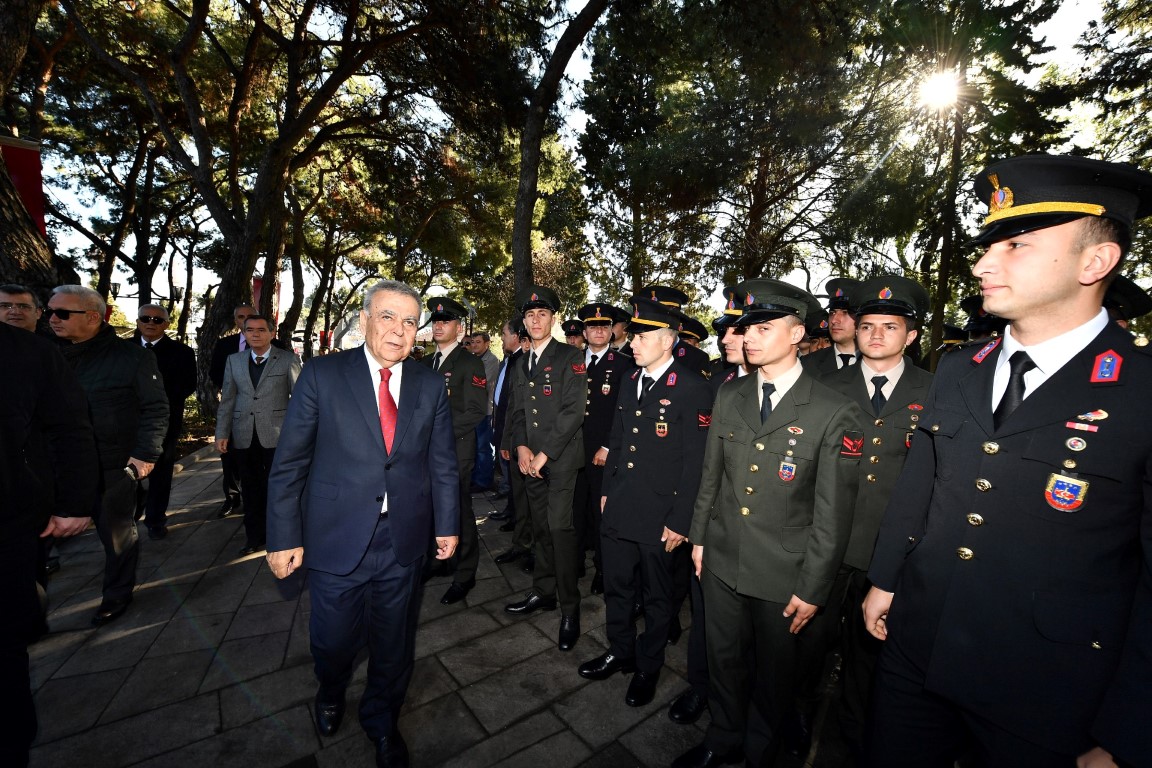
1070,463
871,478
935,427
983,485
877,441
749,490
788,452
975,519
535,424
635,430
637,413
754,468
534,412
965,554
879,422
745,511
991,448
759,446
632,448
731,435
533,396
1096,643
915,418
1141,341
874,459
631,465
531,383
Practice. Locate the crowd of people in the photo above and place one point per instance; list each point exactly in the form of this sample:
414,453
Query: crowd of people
974,546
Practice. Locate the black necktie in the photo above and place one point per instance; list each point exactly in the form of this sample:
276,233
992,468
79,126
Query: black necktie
878,399
766,403
846,359
149,344
1019,364
532,362
646,383
592,362
436,361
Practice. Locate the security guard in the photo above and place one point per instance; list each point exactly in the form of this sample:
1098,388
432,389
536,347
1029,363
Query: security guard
468,399
891,391
654,458
771,521
841,329
692,356
607,369
545,413
1012,567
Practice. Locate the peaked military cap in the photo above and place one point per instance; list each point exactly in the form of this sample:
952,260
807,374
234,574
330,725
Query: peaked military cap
766,299
891,295
840,292
690,326
573,328
444,308
537,297
648,315
666,295
1032,192
1126,300
980,323
597,313
816,324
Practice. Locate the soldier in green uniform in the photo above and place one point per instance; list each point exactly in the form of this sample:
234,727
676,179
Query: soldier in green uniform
545,412
467,387
771,521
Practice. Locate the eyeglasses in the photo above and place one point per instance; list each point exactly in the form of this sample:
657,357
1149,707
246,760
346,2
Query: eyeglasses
22,307
64,314
151,319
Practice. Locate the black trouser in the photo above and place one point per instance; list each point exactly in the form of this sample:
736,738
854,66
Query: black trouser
697,673
468,552
23,623
230,476
153,494
116,527
550,507
860,652
631,567
594,476
518,501
255,463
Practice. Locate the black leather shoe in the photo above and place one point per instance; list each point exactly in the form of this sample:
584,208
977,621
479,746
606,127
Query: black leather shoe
51,565
529,564
510,556
110,610
157,532
457,592
329,715
569,632
604,666
674,631
391,752
687,708
642,689
251,548
533,602
508,527
702,757
598,583
500,515
229,507
796,736
501,496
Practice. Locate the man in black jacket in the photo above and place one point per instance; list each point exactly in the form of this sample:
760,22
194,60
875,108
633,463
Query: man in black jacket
42,404
177,363
129,413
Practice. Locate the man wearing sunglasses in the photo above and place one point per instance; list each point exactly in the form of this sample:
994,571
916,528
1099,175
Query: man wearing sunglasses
129,413
177,363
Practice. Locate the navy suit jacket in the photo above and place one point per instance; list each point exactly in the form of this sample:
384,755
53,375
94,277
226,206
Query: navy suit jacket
331,471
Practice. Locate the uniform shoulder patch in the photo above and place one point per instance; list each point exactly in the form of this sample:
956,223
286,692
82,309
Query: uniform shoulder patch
985,351
731,375
579,368
704,419
852,444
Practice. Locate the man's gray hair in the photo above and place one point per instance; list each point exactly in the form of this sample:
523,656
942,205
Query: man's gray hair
159,307
89,299
389,286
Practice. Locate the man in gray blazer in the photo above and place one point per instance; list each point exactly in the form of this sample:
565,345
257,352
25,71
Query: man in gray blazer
253,401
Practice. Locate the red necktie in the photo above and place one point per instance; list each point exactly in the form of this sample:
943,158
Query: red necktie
387,410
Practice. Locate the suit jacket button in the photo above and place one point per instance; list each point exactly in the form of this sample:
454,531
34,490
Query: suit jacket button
983,485
749,490
745,511
935,427
731,435
991,448
975,519
879,422
632,448
534,411
379,499
965,554
754,468
531,383
635,430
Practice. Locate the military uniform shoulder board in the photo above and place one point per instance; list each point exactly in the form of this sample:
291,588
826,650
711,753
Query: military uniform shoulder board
731,375
635,373
1106,368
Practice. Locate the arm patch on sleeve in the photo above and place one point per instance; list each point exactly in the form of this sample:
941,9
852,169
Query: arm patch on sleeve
703,419
852,445
480,381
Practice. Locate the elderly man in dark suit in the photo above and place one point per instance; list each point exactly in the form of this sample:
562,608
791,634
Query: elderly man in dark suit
47,451
1013,569
177,363
467,388
257,385
365,475
770,525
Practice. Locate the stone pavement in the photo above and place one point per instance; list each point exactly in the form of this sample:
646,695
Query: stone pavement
210,665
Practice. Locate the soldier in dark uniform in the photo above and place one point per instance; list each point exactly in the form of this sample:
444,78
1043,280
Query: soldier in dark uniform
889,311
573,333
841,328
1012,569
546,410
770,524
655,453
692,356
620,320
468,400
692,334
817,338
606,369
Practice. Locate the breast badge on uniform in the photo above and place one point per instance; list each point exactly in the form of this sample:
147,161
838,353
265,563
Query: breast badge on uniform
852,445
1106,369
661,429
1065,493
1097,415
547,390
1081,427
787,471
605,388
795,431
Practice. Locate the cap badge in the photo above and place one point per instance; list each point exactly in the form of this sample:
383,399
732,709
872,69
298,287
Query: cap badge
839,293
886,293
534,298
439,307
1002,197
731,301
597,312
